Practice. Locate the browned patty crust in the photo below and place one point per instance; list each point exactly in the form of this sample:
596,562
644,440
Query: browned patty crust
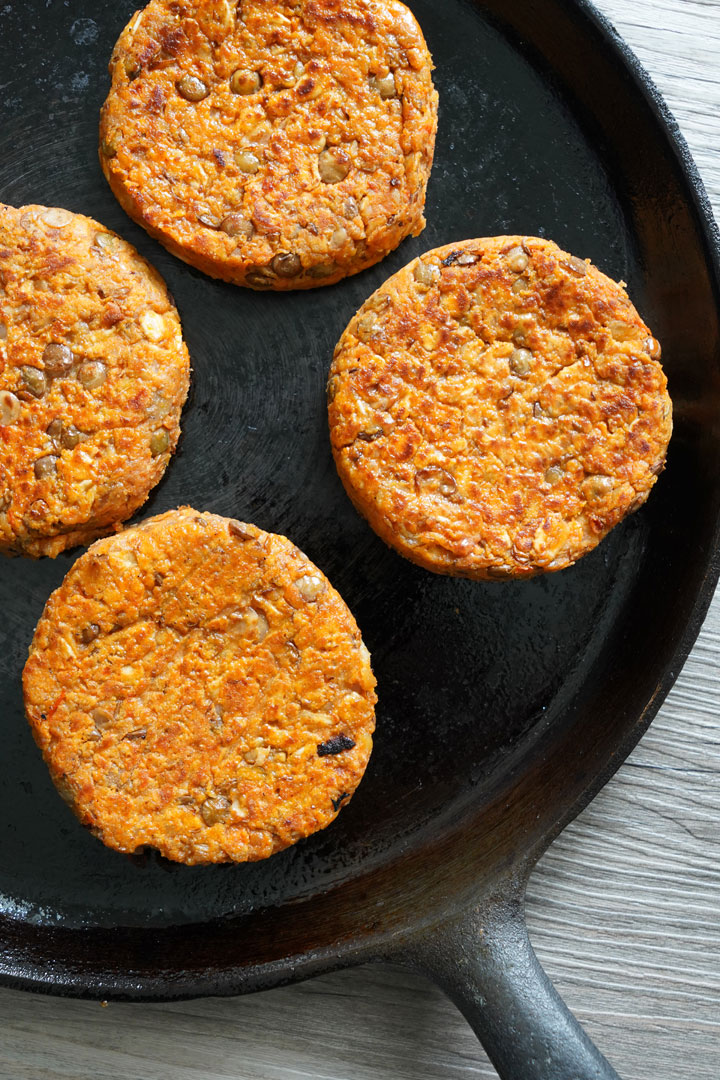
496,407
278,144
93,376
197,685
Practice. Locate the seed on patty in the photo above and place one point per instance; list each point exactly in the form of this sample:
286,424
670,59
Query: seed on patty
350,208
331,169
426,273
159,443
619,330
523,327
247,162
245,82
596,488
209,221
45,466
653,348
517,260
107,242
64,435
554,474
33,381
333,386
261,277
92,374
310,587
215,810
521,362
339,237
435,479
576,266
237,225
192,88
287,265
136,734
241,531
153,325
10,408
367,327
384,85
520,286
257,756
3,332
89,633
100,717
70,437
251,624
57,218
322,270
57,359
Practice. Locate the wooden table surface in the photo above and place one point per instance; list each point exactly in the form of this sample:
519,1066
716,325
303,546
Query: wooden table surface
624,910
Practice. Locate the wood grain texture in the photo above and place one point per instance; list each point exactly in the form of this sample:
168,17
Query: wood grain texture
624,910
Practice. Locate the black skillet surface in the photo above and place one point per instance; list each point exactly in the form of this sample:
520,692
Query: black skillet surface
503,708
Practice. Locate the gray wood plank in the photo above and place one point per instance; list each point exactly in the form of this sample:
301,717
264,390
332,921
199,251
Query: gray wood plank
624,909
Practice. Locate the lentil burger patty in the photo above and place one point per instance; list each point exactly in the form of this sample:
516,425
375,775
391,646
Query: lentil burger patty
197,685
496,407
276,144
93,376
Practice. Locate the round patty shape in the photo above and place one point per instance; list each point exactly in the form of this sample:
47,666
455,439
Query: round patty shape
197,685
278,144
93,376
496,407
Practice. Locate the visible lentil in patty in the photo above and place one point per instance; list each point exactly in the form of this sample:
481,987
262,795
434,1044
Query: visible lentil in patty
93,375
198,686
496,407
277,144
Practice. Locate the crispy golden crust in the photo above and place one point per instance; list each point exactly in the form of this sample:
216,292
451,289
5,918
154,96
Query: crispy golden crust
197,685
93,376
497,407
278,144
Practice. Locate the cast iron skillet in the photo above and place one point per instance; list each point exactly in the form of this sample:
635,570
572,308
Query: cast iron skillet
503,708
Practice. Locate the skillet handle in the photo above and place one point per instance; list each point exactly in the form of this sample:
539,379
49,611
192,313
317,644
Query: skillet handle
484,962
